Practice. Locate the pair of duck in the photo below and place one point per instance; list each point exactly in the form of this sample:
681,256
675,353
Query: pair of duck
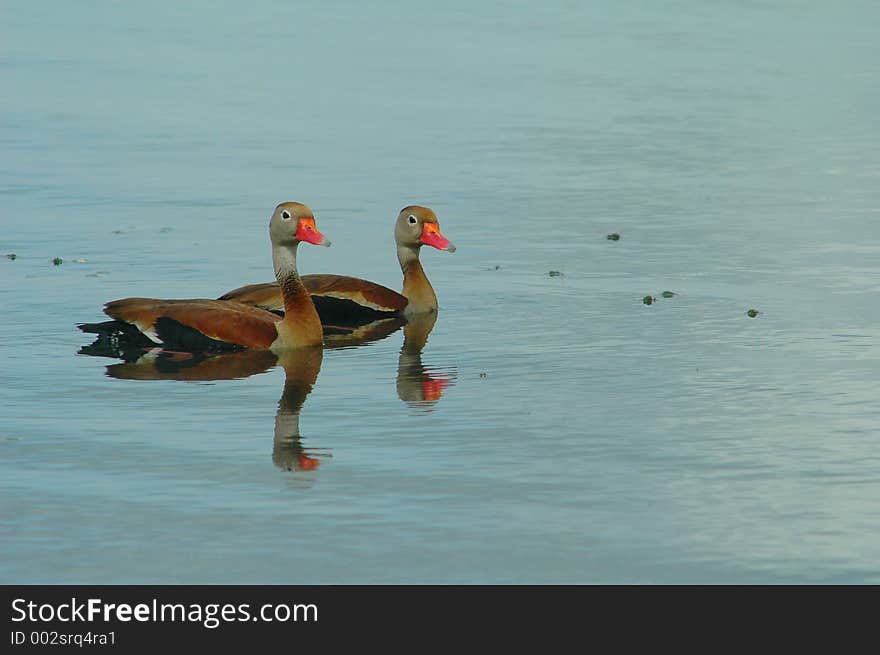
289,313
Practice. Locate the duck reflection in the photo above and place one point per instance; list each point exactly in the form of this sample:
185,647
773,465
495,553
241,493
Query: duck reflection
417,385
300,374
301,369
158,364
349,336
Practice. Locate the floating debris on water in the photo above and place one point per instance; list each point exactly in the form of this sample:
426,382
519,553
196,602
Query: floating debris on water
117,231
555,273
11,255
649,300
81,260
98,274
58,261
668,294
752,313
497,267
614,236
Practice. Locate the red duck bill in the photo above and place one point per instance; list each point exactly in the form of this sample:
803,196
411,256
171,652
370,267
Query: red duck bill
431,237
306,231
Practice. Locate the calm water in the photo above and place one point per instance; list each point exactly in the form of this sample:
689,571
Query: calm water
554,428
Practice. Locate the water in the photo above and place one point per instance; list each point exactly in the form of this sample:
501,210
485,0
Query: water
553,428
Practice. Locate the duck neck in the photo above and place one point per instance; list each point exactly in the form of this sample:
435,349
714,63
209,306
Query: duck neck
416,288
301,325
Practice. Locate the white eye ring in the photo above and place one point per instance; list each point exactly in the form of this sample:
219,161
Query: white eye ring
412,220
285,215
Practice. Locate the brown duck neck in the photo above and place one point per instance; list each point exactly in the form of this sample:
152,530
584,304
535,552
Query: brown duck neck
416,288
301,325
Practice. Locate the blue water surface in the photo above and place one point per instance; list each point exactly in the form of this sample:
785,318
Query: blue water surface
554,428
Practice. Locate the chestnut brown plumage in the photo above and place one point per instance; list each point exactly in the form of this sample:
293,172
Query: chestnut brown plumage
196,325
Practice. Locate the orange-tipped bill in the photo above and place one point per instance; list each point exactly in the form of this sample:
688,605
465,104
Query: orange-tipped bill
431,237
306,231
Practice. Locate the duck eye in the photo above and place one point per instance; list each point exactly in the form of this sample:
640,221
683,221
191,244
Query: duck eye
285,215
412,220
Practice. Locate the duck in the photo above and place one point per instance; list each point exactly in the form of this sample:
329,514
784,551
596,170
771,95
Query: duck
225,325
344,300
